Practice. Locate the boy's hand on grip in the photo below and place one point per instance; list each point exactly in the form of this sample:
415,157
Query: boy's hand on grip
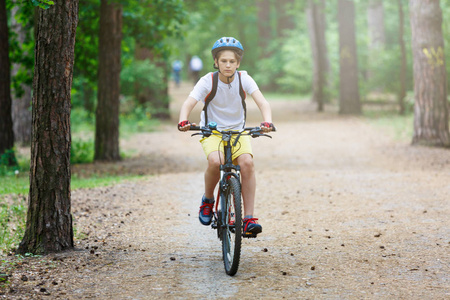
184,125
267,127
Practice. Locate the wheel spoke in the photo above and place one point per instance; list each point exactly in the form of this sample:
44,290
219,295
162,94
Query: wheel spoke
232,222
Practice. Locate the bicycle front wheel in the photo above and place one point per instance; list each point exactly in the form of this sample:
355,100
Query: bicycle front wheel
231,225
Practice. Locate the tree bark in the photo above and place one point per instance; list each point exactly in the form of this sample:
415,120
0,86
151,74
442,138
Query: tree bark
264,29
107,113
316,22
349,102
88,97
377,39
21,105
375,22
6,125
402,78
49,219
285,20
159,97
430,78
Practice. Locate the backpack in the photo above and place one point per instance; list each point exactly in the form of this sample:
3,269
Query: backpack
212,94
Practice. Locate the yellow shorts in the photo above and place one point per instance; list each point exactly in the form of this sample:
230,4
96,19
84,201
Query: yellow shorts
215,143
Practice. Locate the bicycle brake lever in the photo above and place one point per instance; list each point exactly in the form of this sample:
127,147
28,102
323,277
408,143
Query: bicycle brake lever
258,134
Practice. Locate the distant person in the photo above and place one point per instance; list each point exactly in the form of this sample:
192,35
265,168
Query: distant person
196,65
177,66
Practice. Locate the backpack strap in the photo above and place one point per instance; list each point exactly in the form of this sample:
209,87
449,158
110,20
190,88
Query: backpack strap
243,96
212,94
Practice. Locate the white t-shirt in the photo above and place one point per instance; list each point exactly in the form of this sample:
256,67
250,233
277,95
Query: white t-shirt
226,108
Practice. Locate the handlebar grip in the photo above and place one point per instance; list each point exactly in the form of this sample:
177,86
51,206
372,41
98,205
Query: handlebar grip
195,128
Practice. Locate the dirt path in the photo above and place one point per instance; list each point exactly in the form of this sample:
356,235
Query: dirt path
347,213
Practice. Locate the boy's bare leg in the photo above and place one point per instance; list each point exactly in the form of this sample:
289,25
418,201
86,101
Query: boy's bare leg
212,173
248,183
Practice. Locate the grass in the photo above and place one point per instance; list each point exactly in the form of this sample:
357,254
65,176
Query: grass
83,124
83,131
94,181
13,203
400,125
14,181
272,96
14,188
14,185
12,221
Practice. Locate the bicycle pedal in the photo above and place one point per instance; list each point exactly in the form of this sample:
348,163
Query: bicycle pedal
249,235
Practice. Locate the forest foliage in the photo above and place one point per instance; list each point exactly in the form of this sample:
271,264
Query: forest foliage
176,29
179,29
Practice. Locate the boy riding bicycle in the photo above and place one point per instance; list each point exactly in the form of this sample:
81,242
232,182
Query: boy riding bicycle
227,109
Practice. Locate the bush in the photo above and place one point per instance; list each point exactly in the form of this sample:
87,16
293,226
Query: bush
82,151
8,162
8,158
136,77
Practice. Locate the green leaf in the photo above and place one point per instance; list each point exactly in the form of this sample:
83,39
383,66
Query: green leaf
44,4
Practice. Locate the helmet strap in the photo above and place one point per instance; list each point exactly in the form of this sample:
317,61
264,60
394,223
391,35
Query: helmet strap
228,77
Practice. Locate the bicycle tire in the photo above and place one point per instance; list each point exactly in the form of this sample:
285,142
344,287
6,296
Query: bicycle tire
231,231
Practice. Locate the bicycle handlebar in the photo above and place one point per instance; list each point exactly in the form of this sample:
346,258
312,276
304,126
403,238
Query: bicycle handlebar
253,131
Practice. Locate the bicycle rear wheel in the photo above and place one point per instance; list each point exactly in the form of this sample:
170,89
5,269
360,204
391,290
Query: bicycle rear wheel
231,225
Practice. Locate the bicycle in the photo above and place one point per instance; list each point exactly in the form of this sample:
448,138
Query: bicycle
228,219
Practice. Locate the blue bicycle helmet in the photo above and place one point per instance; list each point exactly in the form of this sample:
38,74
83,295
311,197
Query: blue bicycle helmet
227,43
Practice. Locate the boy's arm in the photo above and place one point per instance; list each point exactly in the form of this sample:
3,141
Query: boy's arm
263,106
186,108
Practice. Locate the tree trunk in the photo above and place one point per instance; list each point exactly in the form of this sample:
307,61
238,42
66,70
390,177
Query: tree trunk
21,105
88,97
107,113
430,78
6,125
285,20
264,28
349,102
402,89
375,22
377,40
316,22
159,98
267,31
49,219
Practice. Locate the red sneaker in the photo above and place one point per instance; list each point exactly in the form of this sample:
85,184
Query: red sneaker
251,227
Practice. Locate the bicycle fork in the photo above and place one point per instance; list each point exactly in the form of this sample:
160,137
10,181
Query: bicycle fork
223,184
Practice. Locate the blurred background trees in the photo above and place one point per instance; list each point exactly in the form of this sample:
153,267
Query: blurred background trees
291,47
109,66
6,124
349,99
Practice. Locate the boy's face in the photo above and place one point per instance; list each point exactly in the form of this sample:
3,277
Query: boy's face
227,62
